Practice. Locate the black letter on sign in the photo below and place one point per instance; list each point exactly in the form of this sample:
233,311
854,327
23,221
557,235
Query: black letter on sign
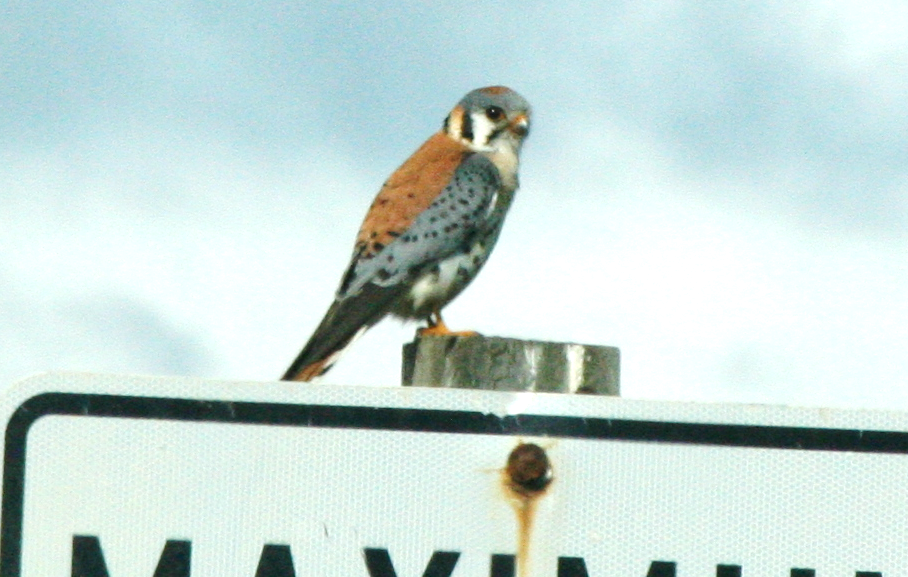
728,571
795,572
661,569
503,566
275,561
88,560
867,574
378,562
174,560
572,567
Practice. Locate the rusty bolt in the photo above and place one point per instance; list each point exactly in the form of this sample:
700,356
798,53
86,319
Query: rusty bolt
528,468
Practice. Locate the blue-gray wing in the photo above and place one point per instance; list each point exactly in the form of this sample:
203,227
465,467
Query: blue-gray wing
460,213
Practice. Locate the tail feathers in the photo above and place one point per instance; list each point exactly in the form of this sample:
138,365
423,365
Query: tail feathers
303,370
307,373
346,320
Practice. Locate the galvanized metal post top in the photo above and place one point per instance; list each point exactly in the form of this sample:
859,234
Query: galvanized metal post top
502,364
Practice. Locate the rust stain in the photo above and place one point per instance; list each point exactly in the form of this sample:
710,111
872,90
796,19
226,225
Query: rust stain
526,477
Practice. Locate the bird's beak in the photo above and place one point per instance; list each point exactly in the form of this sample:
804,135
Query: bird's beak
520,125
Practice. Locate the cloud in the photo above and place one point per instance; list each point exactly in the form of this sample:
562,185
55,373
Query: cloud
95,332
210,241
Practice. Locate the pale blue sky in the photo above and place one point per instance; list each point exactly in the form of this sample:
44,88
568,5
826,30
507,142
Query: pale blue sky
720,189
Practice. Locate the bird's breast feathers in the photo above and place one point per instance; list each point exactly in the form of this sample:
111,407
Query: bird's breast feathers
441,283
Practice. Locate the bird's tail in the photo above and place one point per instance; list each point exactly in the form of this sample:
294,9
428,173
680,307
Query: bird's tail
346,320
304,368
325,347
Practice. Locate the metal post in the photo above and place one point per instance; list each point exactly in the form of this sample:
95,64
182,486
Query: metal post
500,364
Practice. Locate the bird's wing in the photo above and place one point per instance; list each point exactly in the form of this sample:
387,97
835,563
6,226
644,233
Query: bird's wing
396,244
456,214
409,192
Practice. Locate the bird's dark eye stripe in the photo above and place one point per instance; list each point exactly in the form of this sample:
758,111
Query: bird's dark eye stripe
466,127
494,113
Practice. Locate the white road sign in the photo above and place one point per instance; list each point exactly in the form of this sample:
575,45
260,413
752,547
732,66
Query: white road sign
108,476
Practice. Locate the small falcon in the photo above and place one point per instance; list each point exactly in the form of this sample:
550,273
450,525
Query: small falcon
430,228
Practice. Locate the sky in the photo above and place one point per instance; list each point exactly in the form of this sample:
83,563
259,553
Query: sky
718,189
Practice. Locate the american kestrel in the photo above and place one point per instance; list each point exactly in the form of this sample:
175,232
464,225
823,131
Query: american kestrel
430,228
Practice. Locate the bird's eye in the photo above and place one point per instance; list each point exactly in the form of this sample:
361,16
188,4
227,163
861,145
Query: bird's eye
494,113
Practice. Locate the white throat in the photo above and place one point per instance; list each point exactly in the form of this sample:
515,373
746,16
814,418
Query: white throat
482,132
502,150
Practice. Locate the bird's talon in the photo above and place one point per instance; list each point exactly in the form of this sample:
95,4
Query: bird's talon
439,329
434,332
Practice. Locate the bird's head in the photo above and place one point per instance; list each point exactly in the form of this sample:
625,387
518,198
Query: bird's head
490,119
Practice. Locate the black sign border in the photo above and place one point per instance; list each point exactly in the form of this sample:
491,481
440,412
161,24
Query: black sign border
394,419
